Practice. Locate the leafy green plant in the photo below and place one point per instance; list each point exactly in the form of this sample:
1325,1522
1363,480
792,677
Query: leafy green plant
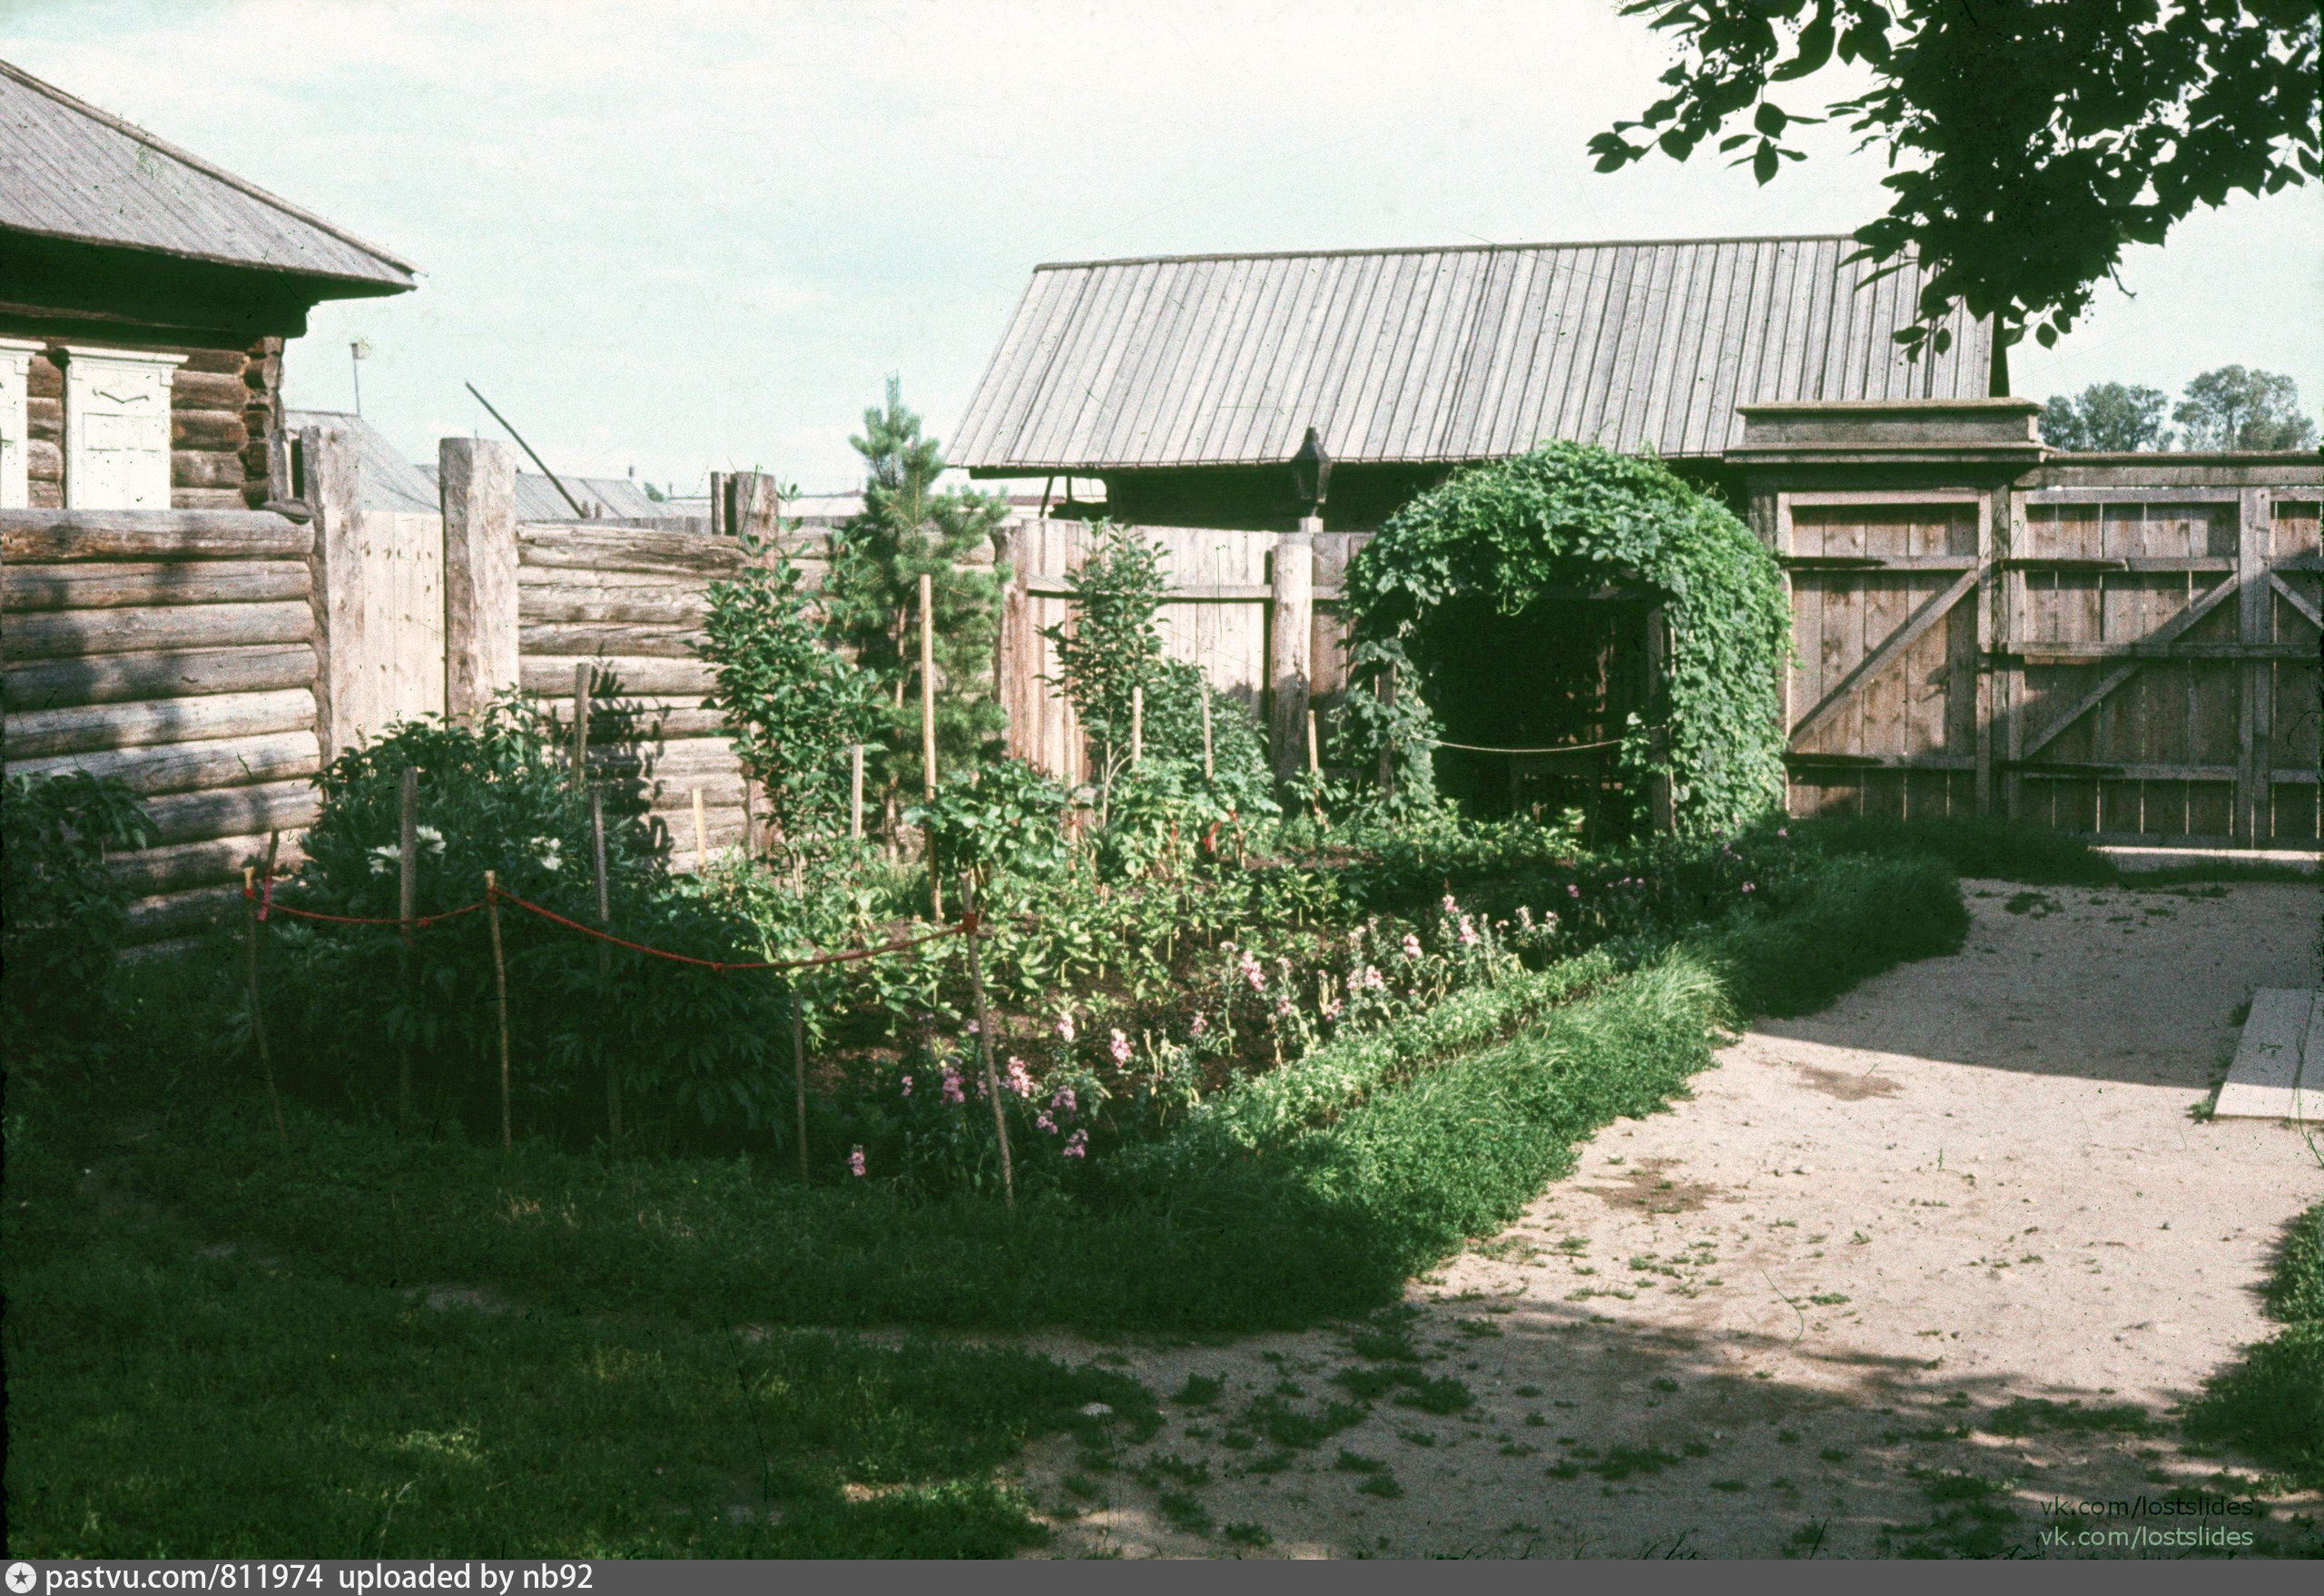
1491,545
62,913
1383,717
792,705
1111,648
1001,816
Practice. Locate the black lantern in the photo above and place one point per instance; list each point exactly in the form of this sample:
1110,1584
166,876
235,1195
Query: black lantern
1311,472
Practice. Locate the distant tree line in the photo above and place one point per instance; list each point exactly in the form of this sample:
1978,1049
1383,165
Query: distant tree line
2229,408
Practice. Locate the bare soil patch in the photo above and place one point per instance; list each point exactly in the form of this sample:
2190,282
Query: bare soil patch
1899,1275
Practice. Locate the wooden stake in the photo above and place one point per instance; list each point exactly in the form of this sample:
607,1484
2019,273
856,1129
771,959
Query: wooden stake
928,684
500,986
1387,751
1136,724
604,951
701,837
1206,772
258,1011
406,910
855,793
984,1042
1314,766
799,1078
580,724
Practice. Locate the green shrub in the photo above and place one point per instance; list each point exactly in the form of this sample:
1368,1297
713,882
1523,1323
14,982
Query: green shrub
2000,849
61,911
1849,919
2271,1403
685,1046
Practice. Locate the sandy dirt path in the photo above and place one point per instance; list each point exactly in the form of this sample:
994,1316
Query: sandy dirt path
1790,1316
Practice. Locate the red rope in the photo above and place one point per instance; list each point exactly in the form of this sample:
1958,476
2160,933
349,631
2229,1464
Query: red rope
966,925
419,922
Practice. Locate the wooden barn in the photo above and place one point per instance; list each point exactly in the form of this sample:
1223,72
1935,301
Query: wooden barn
144,298
1188,384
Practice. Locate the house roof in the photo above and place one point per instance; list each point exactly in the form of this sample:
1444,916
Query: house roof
70,170
1436,355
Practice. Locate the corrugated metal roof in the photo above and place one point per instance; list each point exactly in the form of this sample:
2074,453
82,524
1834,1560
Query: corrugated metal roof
68,169
1423,355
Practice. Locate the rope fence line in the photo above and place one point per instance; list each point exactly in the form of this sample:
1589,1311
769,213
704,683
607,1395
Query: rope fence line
263,898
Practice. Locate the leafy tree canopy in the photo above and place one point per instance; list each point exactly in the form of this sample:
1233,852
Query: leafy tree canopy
2233,409
2107,418
2032,140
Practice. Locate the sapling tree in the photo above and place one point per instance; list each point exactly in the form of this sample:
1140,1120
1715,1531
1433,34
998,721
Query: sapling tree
911,526
793,704
1111,648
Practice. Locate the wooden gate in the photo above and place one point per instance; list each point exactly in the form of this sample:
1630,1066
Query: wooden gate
2161,650
1889,599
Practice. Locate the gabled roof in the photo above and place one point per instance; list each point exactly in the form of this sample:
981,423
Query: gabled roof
70,170
1434,354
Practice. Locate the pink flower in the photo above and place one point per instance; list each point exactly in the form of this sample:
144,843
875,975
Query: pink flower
907,1092
951,1093
1412,946
1332,1010
1571,891
1372,981
1064,1102
1253,973
972,1028
1783,830
1747,887
855,1160
1468,934
1199,1026
1045,1123
1077,1146
1119,1047
1283,1007
1016,1078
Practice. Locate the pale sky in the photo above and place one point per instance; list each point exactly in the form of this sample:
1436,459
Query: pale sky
683,237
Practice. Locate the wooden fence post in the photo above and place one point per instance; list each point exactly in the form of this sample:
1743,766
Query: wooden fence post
1291,626
855,793
580,725
258,1011
500,988
928,684
799,1078
477,483
406,910
605,952
342,687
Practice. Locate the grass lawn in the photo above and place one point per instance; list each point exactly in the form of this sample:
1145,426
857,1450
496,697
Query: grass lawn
2271,1404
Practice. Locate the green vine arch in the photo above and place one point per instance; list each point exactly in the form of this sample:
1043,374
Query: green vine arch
1513,533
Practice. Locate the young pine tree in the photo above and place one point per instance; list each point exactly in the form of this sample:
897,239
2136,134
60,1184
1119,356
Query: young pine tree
872,602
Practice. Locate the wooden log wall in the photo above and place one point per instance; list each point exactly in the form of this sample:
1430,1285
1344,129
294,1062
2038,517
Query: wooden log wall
224,405
1217,617
176,651
628,603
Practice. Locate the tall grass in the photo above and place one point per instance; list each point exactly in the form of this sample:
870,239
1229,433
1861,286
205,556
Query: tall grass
1858,917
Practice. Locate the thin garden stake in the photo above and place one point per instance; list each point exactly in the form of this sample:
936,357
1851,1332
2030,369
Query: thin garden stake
984,1042
580,724
500,986
605,952
799,1078
701,837
407,909
856,794
1206,731
928,684
1136,724
258,1011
